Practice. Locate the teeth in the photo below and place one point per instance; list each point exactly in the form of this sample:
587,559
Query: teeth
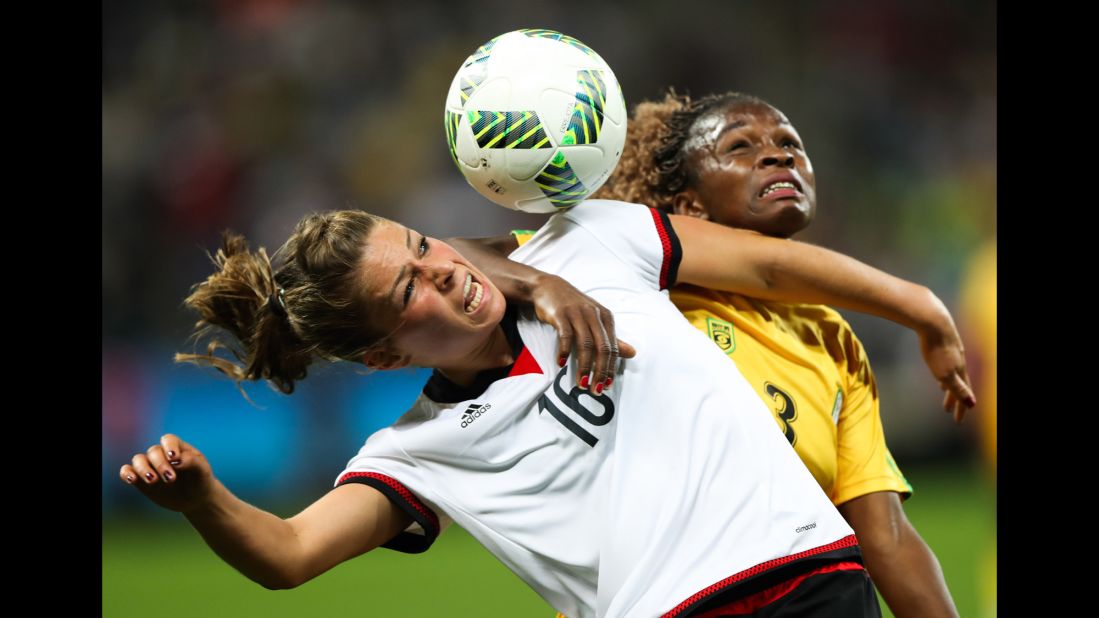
476,302
782,184
465,288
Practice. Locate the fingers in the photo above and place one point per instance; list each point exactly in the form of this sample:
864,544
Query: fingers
589,330
585,351
158,459
958,397
155,464
626,350
583,329
128,474
173,448
964,389
953,406
564,343
606,351
145,471
582,325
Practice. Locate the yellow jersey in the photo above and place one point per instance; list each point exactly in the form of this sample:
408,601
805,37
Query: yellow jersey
810,369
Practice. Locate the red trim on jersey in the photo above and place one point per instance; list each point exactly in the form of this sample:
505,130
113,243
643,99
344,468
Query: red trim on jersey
763,598
396,485
847,541
525,364
666,243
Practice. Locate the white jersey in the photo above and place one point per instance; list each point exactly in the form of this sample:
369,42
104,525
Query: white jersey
669,490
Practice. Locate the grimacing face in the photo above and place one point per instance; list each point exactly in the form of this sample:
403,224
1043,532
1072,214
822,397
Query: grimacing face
749,170
440,309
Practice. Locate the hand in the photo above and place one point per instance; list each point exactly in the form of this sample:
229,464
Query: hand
581,321
173,474
943,352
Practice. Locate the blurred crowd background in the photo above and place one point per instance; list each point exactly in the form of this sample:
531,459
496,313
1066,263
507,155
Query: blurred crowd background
246,114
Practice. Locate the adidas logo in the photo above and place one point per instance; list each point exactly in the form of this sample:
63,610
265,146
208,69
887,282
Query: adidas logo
473,412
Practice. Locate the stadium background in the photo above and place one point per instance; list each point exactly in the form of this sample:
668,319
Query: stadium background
248,113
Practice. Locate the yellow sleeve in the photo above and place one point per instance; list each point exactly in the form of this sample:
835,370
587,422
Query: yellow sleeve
522,236
864,464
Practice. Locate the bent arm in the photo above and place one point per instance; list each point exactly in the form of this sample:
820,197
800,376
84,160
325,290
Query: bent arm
902,566
718,257
749,263
269,550
283,553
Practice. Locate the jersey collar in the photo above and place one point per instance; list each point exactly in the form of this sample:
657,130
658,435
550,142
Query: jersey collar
441,390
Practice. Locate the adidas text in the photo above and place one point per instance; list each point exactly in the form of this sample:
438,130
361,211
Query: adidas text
473,412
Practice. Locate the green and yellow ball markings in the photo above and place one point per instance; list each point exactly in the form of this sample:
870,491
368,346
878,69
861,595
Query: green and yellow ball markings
474,70
482,52
471,81
508,130
587,115
451,121
560,184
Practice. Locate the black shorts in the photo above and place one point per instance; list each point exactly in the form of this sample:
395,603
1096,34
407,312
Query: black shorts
840,590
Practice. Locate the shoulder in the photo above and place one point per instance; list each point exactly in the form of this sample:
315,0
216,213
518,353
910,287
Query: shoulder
610,216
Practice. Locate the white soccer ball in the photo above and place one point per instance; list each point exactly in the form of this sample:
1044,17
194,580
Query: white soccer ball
535,120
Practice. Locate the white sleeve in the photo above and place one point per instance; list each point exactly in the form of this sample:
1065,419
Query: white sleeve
641,237
383,465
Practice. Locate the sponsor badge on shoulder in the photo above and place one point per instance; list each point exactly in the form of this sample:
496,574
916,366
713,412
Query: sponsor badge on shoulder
721,332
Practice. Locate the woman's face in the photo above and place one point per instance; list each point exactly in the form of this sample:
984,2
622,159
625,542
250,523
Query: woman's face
439,308
751,171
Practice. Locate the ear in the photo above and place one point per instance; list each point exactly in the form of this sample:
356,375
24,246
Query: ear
686,203
383,359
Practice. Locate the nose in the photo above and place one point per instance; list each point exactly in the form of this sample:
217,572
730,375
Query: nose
775,157
440,273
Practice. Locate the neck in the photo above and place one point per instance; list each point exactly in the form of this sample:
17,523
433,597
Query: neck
495,352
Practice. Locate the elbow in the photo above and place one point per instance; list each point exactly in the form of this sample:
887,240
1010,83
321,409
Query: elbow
281,581
769,271
280,584
881,543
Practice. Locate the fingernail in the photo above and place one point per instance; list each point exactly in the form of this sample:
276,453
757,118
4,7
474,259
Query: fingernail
584,382
561,361
149,475
970,402
171,453
599,389
167,474
609,381
175,463
130,478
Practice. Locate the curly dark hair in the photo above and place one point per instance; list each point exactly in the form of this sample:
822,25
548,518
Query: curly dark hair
654,166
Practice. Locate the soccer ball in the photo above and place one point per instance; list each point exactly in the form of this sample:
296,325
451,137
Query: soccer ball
535,120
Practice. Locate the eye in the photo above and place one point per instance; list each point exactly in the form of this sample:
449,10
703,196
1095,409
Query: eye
738,145
422,248
790,143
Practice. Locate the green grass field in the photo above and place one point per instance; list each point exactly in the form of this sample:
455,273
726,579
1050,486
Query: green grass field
164,568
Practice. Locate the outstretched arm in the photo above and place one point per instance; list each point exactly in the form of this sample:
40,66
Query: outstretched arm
719,257
900,563
578,319
274,552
